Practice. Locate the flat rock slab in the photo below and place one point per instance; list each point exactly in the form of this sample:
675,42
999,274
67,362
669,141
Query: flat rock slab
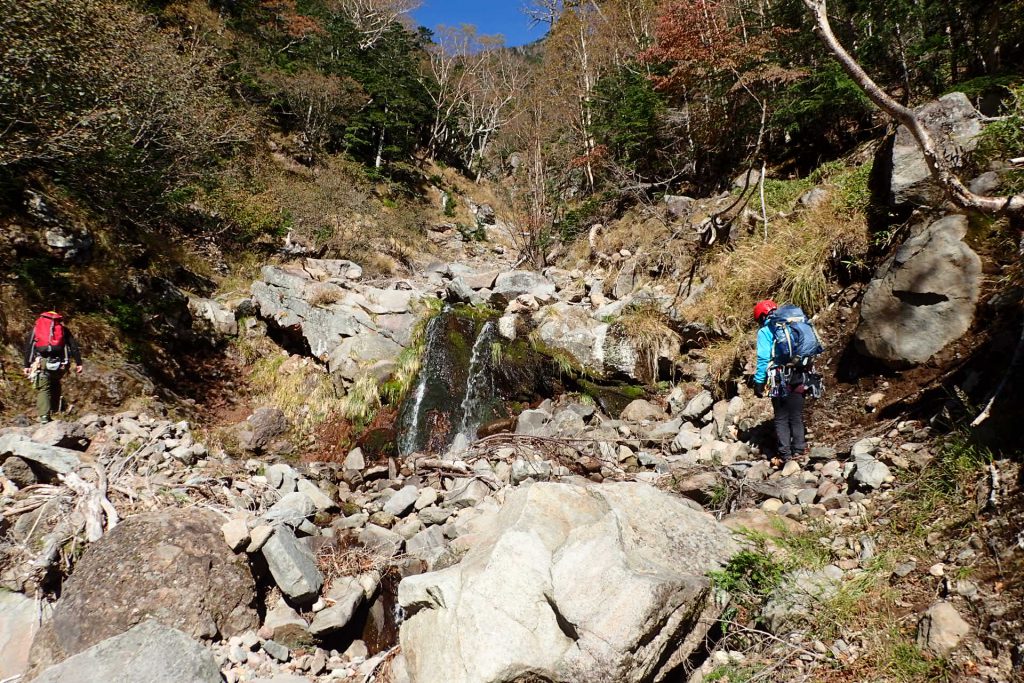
149,652
53,458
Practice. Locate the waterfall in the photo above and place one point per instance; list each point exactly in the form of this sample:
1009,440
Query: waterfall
454,391
412,414
479,382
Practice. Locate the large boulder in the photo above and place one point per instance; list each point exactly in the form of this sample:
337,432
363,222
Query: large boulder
170,566
955,125
923,297
569,583
149,652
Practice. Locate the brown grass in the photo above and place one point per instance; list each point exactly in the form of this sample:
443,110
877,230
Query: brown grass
793,265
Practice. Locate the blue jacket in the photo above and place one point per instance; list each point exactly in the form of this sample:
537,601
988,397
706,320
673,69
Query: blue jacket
765,347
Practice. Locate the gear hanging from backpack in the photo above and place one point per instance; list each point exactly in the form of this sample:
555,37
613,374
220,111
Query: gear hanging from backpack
794,340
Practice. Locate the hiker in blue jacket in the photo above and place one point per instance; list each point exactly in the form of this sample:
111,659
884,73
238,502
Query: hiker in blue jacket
787,400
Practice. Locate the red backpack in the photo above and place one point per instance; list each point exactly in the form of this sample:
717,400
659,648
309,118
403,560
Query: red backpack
49,331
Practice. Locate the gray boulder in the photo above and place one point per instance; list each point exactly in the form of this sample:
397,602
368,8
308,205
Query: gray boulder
955,126
51,458
699,405
212,317
261,428
509,285
292,510
170,566
148,652
62,435
571,330
642,410
922,298
293,566
512,609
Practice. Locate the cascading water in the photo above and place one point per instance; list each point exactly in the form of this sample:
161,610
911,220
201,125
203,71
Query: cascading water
412,413
454,391
480,382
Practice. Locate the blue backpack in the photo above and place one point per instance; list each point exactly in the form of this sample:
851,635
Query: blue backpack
795,341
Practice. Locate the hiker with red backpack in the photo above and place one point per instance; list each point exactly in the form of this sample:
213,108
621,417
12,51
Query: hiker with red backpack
49,350
786,346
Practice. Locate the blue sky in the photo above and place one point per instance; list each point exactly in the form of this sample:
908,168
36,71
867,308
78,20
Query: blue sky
489,16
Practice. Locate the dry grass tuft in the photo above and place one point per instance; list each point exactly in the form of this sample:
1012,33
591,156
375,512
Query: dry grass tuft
792,265
299,386
325,295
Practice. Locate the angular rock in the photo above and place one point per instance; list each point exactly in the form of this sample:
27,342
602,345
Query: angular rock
426,544
870,473
285,625
573,331
262,427
236,534
148,652
20,473
402,501
282,477
293,509
698,406
212,317
383,542
346,595
922,298
62,435
169,566
321,501
513,607
467,493
941,629
293,566
355,460
686,440
511,284
51,458
532,422
702,487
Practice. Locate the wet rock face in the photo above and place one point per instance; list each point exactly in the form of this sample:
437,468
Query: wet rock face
167,566
923,297
514,607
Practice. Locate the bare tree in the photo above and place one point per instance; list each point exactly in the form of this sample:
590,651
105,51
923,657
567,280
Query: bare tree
940,168
372,17
455,60
499,80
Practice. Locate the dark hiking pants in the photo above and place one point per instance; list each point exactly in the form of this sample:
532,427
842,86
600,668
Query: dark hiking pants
47,385
789,424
